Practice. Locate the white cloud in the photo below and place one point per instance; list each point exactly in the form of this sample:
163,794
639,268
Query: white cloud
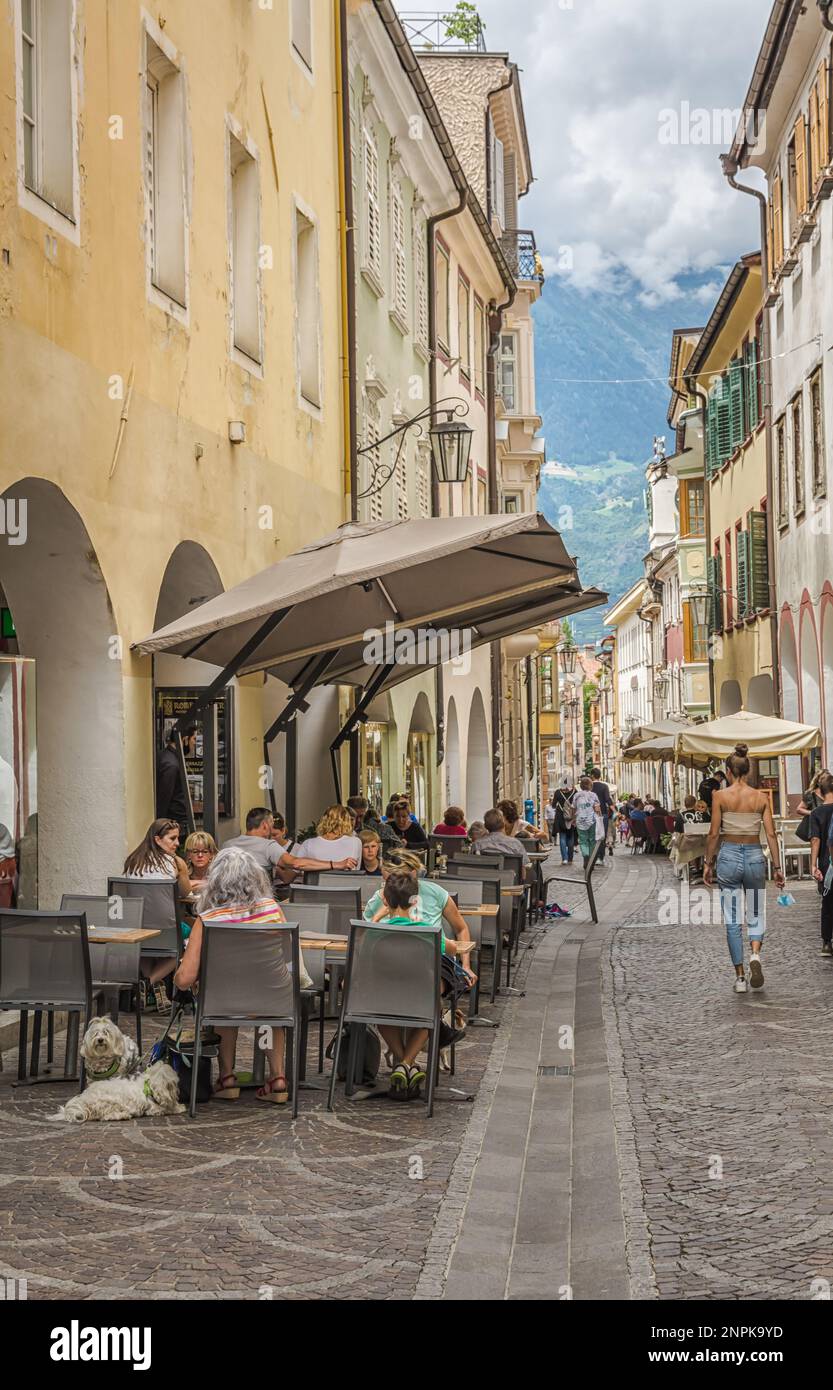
599,79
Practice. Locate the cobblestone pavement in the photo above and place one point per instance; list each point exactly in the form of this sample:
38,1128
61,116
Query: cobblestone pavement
727,1100
241,1202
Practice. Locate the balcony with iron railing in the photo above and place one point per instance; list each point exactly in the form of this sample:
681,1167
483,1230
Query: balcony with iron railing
444,31
522,255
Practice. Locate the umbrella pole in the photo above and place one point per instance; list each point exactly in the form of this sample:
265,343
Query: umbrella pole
285,723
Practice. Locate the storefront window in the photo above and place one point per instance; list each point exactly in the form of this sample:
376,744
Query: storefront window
417,781
546,683
18,784
372,774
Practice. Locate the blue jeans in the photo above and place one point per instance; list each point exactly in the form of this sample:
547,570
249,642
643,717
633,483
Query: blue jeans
741,869
565,840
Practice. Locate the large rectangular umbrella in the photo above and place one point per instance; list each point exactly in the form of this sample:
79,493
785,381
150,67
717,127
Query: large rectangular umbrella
663,750
766,736
330,594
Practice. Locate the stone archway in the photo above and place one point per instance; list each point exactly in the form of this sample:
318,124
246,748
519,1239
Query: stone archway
479,791
60,605
827,675
790,694
453,785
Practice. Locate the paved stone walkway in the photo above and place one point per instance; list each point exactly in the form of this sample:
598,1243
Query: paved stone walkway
728,1103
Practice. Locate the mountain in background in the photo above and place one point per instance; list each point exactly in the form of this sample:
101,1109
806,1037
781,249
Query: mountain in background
601,436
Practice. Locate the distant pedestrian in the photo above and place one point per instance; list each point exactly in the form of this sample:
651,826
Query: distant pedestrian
587,810
565,819
821,820
601,791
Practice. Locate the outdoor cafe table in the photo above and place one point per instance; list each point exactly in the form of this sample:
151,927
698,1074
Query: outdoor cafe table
689,845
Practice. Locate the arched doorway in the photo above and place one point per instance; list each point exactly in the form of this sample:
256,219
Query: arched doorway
479,793
190,579
418,762
827,675
453,787
790,697
54,590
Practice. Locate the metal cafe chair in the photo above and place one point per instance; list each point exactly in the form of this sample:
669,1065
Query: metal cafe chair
238,988
114,964
162,912
393,978
588,872
488,861
483,931
448,845
638,835
45,967
367,884
314,920
344,905
492,880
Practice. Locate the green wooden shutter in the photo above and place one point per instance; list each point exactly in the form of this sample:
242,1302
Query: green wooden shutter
742,545
758,562
711,435
724,423
737,433
718,593
752,386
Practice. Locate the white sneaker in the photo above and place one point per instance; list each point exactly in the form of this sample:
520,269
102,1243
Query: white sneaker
756,972
740,985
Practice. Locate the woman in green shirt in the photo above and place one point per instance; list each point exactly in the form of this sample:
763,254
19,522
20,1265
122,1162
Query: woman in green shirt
400,899
434,903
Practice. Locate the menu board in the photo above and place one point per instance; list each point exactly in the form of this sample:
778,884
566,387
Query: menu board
170,705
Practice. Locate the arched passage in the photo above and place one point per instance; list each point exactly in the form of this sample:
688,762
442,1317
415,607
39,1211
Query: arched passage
810,679
453,787
827,675
53,586
478,766
190,579
419,759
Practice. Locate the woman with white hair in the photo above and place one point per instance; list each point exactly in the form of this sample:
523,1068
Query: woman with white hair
236,893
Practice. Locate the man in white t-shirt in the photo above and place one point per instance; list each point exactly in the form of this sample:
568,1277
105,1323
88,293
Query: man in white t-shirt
268,853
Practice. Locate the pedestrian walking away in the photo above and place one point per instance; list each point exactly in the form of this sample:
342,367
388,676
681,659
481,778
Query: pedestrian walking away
565,819
737,816
821,824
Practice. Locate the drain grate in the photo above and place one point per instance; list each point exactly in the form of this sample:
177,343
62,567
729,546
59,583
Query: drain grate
555,1071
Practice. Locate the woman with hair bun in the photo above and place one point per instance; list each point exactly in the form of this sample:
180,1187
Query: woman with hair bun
738,814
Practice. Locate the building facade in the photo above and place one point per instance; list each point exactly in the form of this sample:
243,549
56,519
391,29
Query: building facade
789,98
171,302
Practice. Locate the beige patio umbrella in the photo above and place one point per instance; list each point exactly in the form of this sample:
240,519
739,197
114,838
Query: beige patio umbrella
663,750
658,728
330,594
766,736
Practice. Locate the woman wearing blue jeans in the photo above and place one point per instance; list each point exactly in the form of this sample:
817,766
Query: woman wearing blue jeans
738,813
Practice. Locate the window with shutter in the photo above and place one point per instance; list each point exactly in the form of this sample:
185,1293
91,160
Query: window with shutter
399,259
797,420
499,205
736,429
420,238
373,505
742,549
479,346
800,138
442,270
718,592
781,470
712,452
464,326
164,170
814,135
758,562
301,30
423,482
751,386
778,223
817,441
724,423
372,207
824,114
46,41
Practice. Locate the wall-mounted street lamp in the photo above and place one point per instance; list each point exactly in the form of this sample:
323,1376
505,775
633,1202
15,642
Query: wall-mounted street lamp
450,445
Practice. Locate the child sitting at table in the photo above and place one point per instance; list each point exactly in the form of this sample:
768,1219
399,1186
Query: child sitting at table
401,895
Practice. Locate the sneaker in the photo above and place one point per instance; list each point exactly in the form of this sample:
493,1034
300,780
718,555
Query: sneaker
399,1081
740,985
756,971
416,1081
827,950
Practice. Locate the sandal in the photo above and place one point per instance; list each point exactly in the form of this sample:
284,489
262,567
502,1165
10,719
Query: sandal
399,1080
416,1081
273,1091
222,1091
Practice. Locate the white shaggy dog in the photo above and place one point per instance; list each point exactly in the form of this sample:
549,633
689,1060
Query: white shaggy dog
153,1092
108,1052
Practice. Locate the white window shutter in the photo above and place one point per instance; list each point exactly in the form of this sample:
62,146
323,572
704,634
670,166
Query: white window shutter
373,247
499,204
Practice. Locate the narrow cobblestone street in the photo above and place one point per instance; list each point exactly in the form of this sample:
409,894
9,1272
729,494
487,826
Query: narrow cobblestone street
685,1157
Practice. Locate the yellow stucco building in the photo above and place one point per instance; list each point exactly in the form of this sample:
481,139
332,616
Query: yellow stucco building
171,373
726,366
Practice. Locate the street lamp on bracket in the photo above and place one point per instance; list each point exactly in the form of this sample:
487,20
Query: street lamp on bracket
450,439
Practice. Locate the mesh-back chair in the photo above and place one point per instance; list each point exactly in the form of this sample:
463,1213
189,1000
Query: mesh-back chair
469,892
367,884
588,874
162,911
114,965
489,861
341,899
393,978
487,931
45,967
447,845
656,829
314,920
249,979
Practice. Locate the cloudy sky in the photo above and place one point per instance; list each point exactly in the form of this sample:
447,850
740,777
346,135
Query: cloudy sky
604,84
